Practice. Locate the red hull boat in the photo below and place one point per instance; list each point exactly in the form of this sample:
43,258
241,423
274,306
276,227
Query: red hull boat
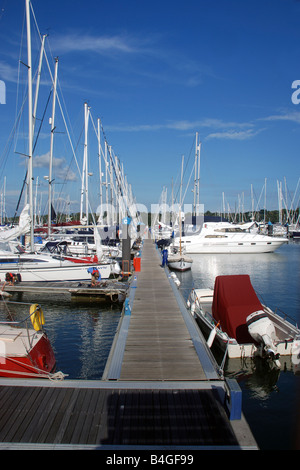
26,352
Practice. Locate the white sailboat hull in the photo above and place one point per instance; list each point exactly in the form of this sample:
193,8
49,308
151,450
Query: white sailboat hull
180,263
42,269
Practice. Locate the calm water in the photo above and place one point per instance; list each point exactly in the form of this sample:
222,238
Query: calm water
82,335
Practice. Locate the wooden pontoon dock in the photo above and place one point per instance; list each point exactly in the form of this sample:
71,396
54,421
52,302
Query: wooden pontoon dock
161,388
108,290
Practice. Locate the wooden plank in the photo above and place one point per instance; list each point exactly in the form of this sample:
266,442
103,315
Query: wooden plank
164,413
97,422
84,436
106,291
129,418
7,414
111,417
74,417
29,405
48,429
158,345
103,416
33,430
115,417
84,412
62,416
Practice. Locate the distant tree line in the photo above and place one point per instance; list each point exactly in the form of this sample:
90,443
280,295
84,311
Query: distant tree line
267,216
260,216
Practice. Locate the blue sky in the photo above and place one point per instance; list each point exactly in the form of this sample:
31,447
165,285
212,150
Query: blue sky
156,73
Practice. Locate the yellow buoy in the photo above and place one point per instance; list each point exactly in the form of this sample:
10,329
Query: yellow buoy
37,316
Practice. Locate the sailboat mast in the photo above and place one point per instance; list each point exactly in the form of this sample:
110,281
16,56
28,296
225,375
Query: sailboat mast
51,148
180,219
265,203
38,80
195,179
87,113
106,184
30,123
84,181
100,166
198,184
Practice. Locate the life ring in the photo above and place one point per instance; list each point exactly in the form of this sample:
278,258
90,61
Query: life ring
37,316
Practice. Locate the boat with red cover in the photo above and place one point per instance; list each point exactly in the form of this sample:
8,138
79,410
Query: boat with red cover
26,352
234,318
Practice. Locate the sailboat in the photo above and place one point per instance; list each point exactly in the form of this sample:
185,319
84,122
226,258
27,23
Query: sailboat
26,352
176,259
40,267
45,266
179,262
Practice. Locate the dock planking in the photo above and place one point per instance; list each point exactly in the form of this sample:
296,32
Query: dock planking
159,389
159,345
111,290
52,417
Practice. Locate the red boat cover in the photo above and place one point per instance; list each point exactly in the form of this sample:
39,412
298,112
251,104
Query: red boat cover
234,299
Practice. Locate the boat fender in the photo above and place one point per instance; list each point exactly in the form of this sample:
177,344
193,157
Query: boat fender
296,351
37,316
212,335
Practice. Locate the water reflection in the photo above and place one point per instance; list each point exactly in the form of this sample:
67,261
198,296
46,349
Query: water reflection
82,339
259,376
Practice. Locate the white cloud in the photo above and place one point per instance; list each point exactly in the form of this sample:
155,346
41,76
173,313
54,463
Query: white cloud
169,66
42,161
60,169
7,72
185,125
293,116
74,42
234,134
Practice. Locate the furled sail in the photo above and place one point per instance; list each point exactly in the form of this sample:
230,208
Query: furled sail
15,232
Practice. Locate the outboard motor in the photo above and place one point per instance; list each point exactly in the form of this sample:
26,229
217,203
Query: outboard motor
262,330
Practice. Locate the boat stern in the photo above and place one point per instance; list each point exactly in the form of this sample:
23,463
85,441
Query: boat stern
42,355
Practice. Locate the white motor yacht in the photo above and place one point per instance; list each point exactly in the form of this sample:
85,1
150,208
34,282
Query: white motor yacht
223,237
